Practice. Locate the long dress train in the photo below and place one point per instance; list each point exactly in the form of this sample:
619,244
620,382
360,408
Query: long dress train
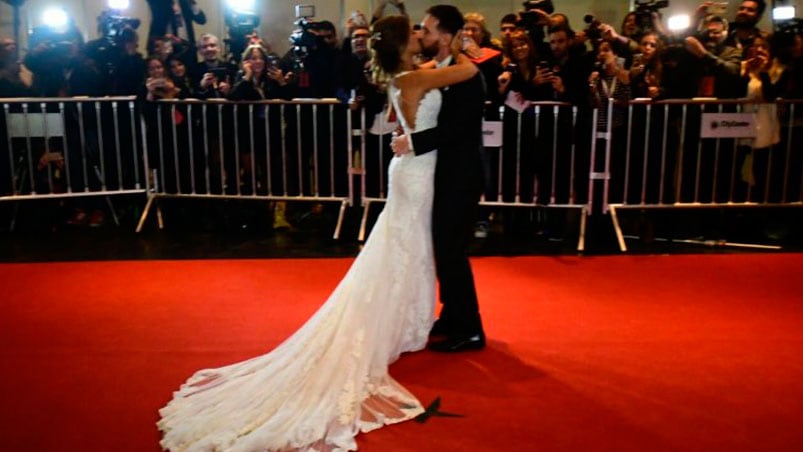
329,380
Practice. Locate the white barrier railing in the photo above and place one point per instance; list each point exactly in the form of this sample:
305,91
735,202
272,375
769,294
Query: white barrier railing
70,147
702,154
663,155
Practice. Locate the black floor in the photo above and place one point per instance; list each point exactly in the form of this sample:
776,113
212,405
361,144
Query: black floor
243,229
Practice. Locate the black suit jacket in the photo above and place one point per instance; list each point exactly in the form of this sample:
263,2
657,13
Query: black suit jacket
458,137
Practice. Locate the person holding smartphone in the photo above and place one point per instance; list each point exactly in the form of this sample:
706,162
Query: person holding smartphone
213,76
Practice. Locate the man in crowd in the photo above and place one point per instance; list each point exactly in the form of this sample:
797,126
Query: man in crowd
745,24
213,75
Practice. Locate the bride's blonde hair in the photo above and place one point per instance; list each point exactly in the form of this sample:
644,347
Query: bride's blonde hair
388,41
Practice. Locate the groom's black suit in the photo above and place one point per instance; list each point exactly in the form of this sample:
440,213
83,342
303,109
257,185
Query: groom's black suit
458,186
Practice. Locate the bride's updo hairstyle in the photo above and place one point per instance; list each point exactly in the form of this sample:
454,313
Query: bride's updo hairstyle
389,38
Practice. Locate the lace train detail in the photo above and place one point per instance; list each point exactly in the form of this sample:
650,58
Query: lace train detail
329,381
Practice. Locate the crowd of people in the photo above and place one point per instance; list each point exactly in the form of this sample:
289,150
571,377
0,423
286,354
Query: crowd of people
536,56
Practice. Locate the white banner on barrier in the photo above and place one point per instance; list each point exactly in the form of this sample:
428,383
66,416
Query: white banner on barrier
728,125
33,124
492,134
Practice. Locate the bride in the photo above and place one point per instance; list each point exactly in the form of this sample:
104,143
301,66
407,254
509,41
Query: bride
329,380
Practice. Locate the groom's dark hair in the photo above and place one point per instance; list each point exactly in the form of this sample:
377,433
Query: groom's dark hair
450,20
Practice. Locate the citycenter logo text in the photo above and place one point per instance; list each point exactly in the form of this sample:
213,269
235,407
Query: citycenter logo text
729,124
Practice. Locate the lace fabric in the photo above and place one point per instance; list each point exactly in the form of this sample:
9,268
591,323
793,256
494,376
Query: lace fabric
329,380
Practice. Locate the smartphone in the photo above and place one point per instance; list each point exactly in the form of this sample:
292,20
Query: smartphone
220,73
718,8
273,61
305,11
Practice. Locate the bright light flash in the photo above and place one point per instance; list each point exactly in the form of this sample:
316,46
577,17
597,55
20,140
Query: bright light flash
242,6
783,13
55,18
119,5
679,22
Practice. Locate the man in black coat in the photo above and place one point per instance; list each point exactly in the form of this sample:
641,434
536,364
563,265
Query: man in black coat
458,186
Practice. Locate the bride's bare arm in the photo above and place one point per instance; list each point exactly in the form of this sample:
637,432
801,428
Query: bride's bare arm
462,70
414,85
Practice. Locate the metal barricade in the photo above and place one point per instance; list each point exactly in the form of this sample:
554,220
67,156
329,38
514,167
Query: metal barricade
271,150
660,155
707,153
539,161
68,148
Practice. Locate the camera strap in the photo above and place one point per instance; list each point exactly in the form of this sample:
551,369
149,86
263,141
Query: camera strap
608,90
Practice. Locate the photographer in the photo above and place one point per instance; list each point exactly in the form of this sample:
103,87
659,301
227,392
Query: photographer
212,75
313,59
52,58
717,62
129,69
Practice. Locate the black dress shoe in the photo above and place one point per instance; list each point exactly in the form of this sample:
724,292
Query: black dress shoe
455,344
439,328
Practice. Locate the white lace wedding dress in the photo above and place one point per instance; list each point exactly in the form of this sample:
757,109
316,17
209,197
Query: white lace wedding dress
329,380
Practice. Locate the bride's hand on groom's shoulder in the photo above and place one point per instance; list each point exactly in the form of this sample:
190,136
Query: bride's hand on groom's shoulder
457,45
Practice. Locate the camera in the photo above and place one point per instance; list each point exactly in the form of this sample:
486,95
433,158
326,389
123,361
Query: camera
304,40
111,26
592,30
528,19
240,24
644,11
273,61
544,5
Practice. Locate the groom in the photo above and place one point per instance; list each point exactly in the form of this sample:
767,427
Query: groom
458,185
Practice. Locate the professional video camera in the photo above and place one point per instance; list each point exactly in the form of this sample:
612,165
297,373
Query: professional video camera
785,32
111,26
303,38
54,40
107,50
241,25
528,19
644,12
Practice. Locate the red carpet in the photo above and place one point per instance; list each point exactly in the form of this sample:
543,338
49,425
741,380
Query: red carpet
622,353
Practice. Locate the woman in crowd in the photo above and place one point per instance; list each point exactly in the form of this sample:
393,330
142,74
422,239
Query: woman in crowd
261,79
160,86
611,81
517,84
646,72
180,76
766,79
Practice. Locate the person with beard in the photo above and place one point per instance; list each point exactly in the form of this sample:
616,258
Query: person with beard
745,24
715,63
458,185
